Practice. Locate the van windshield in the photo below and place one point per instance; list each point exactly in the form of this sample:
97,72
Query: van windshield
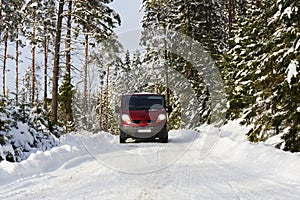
141,102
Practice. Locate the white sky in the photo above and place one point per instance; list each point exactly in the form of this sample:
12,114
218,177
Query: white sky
130,29
130,13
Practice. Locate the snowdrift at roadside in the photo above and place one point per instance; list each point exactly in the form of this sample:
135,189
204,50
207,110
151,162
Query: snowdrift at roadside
43,161
235,148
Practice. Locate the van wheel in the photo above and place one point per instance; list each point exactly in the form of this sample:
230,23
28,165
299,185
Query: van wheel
164,140
164,136
123,137
122,140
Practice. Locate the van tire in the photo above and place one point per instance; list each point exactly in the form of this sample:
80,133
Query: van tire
164,140
163,135
122,140
123,137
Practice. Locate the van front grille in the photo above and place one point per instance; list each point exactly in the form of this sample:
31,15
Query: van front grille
139,121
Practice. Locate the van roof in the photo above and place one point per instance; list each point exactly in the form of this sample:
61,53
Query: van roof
143,94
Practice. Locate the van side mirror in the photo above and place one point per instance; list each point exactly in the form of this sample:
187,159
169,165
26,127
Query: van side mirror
117,109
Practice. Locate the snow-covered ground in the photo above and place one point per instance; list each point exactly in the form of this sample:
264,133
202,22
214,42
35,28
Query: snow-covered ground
212,164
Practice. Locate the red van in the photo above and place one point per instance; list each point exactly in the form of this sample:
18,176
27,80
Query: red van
143,116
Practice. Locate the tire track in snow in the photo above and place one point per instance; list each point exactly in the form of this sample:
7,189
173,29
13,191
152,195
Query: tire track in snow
153,185
242,184
148,186
233,184
20,186
111,181
289,190
125,180
144,185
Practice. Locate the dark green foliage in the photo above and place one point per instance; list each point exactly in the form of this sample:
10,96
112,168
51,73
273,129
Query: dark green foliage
203,21
258,70
292,140
2,140
41,15
26,129
89,121
66,92
96,18
4,121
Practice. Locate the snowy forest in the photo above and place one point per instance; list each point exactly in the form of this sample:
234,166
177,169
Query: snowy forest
67,84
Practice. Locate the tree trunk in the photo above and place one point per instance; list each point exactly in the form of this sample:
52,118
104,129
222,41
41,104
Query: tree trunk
4,64
45,70
55,77
101,107
68,41
33,65
106,99
68,111
85,73
17,68
0,15
167,70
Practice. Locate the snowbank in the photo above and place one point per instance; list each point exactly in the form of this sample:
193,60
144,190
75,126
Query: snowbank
43,161
235,148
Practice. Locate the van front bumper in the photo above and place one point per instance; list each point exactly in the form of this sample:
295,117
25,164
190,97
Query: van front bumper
142,132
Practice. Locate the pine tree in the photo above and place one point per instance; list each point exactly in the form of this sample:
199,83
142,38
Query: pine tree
18,18
107,58
97,21
55,75
47,37
10,19
126,67
279,92
203,21
37,26
66,88
66,93
265,52
236,66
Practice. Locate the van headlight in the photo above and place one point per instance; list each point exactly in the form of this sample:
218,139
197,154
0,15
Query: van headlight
161,118
126,118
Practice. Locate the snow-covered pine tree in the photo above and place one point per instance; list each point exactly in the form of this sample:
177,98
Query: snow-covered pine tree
25,87
56,64
14,37
107,58
204,21
9,27
97,21
265,71
3,120
66,92
136,60
277,100
126,67
243,42
47,35
66,89
37,24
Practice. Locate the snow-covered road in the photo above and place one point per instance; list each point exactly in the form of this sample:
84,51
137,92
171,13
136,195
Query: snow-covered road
212,164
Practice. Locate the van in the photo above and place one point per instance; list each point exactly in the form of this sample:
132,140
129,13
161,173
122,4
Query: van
143,117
